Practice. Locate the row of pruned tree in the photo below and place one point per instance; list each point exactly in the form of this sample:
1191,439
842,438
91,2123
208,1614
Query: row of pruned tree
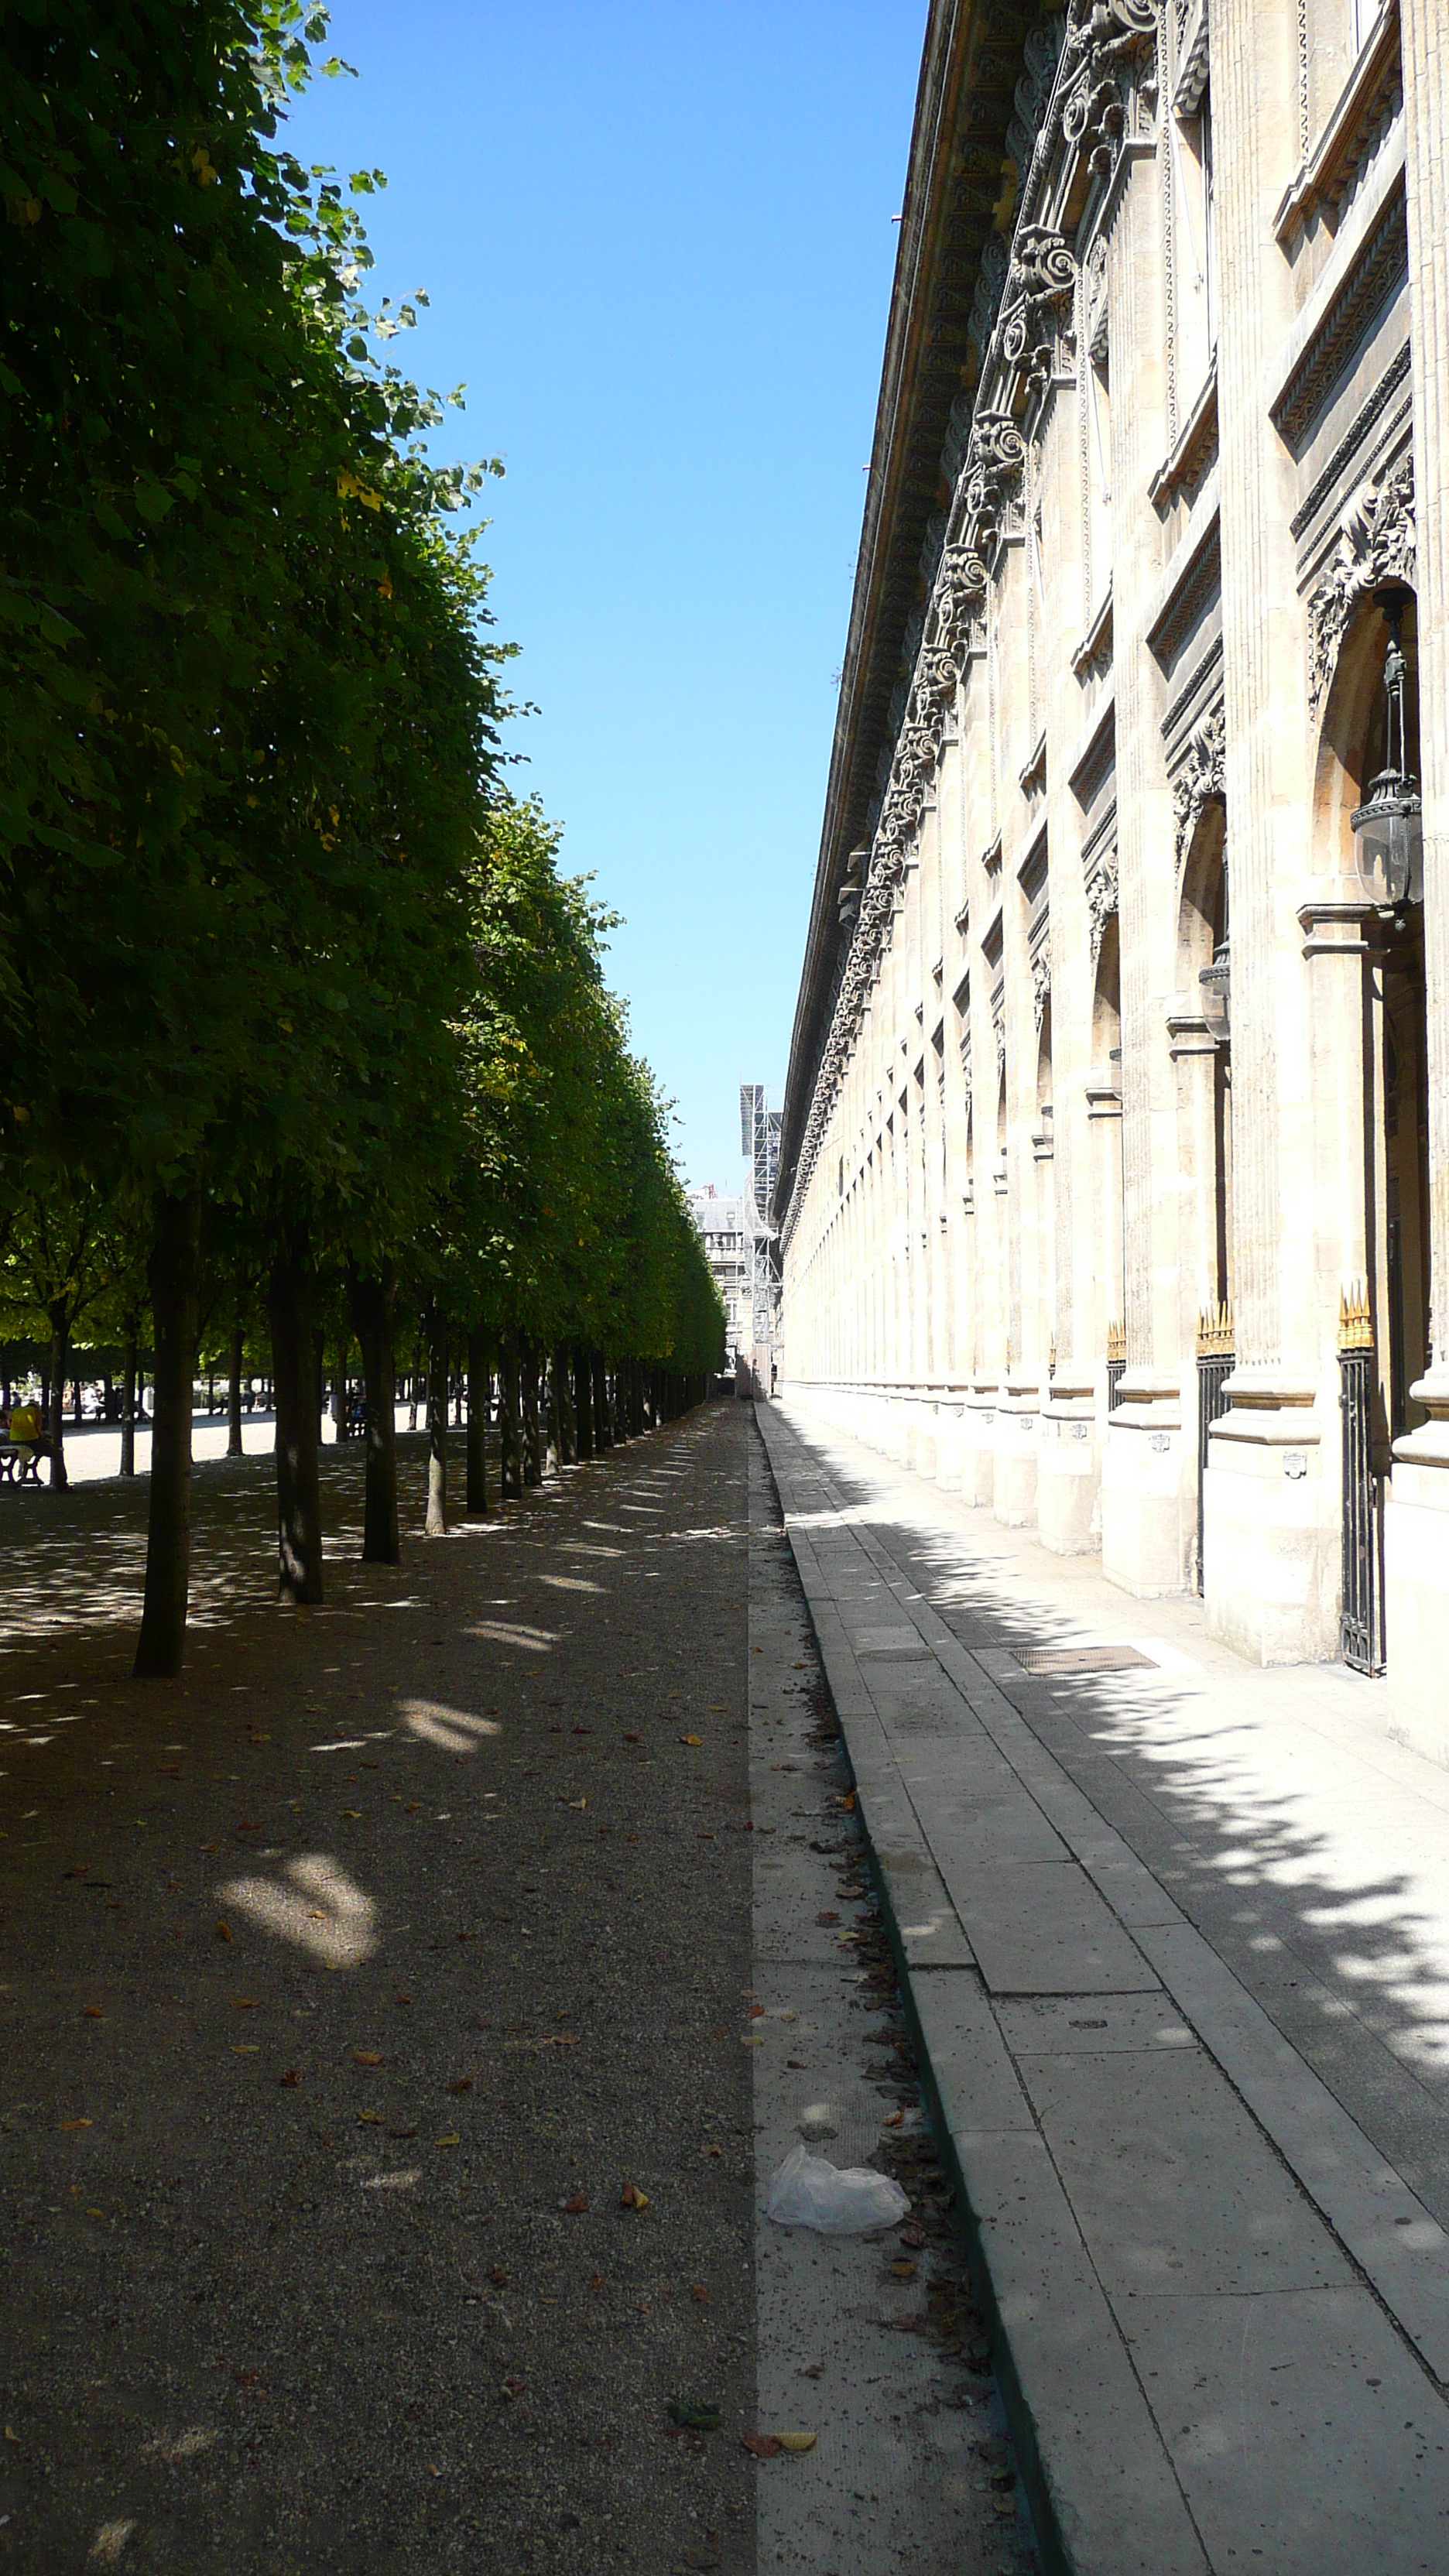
295,1005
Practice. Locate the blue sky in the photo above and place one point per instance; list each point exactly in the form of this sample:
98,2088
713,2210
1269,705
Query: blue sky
658,245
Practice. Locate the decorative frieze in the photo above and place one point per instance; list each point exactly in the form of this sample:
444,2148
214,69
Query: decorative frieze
1199,782
1376,543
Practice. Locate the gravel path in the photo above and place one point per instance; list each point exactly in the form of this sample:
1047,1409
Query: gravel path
349,1988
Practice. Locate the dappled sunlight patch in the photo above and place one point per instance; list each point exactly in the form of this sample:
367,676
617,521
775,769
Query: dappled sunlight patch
322,1910
454,1729
510,1632
570,1583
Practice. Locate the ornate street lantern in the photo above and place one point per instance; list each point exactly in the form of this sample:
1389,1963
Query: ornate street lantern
1389,825
1216,982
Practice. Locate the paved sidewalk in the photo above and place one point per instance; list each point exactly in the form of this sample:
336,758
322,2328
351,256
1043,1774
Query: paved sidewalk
1178,1940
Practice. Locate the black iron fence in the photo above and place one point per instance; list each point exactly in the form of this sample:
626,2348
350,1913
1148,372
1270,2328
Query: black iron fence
1361,1620
1215,1362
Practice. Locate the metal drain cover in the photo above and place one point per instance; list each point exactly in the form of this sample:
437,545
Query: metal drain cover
1081,1659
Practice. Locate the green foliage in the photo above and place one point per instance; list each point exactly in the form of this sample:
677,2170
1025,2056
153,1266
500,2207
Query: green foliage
565,1219
268,922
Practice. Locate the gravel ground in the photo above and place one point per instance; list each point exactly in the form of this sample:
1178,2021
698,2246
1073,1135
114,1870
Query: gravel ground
326,2077
378,2151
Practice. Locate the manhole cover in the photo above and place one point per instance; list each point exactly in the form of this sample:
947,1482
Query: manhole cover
1080,1659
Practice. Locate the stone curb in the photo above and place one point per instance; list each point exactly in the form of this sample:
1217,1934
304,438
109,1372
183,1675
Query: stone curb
1103,2496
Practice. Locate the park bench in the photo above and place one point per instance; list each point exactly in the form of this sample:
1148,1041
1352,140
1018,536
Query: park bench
15,1470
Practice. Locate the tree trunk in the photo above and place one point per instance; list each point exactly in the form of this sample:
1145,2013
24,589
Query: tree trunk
437,1522
55,1427
233,1393
130,1395
581,1403
561,1387
477,1453
532,1453
173,1271
372,1302
511,1471
294,1376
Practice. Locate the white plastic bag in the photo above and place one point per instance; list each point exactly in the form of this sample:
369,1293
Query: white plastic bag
850,2200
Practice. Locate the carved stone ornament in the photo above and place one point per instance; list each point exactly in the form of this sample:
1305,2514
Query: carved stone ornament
1041,985
1038,303
1106,42
960,590
998,1024
966,1064
1377,542
1199,782
994,467
1101,904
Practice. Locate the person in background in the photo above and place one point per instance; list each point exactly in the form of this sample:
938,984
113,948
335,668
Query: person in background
25,1429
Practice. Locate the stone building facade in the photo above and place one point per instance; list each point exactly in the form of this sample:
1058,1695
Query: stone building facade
726,1224
1114,1180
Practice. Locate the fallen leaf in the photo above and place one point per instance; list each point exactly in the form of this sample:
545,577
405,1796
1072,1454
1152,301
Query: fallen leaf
577,2206
106,2548
691,1739
353,1813
763,2446
499,2276
248,2378
893,2119
904,2269
698,2291
757,2012
461,2084
95,2213
691,2417
175,2447
10,2434
93,2012
757,2041
713,2151
75,2124
797,2441
243,2003
631,1739
409,2129
368,2056
223,1928
402,1999
514,2387
596,2280
452,2140
631,2197
915,2236
245,2048
371,2119
813,2370
827,1917
291,2079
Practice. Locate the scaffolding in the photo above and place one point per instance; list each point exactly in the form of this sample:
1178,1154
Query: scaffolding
760,1145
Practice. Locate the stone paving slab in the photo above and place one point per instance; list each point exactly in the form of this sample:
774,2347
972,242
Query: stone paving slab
1135,2161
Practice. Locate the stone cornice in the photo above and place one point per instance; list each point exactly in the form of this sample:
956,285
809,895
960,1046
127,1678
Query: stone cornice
1092,104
